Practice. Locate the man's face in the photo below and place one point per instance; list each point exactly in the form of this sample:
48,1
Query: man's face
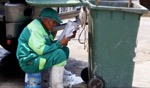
50,23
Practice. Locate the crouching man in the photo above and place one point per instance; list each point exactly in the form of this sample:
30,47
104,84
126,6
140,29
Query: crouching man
37,50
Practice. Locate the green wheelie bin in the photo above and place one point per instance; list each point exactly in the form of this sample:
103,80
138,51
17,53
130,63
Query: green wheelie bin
113,29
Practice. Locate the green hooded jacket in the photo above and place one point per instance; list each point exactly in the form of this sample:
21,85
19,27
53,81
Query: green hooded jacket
37,49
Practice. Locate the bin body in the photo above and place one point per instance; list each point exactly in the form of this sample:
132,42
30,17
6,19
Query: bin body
112,42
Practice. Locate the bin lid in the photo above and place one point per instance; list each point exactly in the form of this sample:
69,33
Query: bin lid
56,3
118,6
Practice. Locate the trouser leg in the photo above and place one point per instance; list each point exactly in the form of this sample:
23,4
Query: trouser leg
57,71
56,77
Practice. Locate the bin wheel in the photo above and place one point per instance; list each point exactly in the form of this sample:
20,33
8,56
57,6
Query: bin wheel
84,75
96,82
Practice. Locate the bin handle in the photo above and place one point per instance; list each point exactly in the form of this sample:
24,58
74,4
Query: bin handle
129,3
86,2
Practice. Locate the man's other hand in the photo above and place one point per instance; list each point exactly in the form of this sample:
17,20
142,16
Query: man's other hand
74,34
64,41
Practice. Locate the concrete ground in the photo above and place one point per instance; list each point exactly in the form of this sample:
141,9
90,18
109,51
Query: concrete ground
79,59
142,59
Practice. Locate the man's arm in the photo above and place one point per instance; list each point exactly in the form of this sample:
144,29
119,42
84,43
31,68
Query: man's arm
38,44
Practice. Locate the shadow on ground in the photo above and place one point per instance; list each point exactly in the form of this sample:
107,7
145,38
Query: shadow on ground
12,75
75,66
9,66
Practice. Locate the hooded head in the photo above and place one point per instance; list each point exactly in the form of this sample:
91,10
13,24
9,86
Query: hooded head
50,13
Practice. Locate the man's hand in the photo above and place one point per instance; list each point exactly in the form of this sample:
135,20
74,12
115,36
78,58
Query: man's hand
64,41
74,34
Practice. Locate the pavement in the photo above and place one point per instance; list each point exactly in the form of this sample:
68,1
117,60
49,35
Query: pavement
142,59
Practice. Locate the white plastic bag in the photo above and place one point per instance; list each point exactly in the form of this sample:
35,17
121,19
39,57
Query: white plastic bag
69,29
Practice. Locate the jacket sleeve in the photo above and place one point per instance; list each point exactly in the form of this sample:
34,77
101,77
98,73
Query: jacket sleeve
38,44
24,52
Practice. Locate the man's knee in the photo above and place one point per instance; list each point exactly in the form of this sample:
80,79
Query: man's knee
61,53
66,50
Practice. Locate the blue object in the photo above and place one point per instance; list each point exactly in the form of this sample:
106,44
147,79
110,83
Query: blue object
33,80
